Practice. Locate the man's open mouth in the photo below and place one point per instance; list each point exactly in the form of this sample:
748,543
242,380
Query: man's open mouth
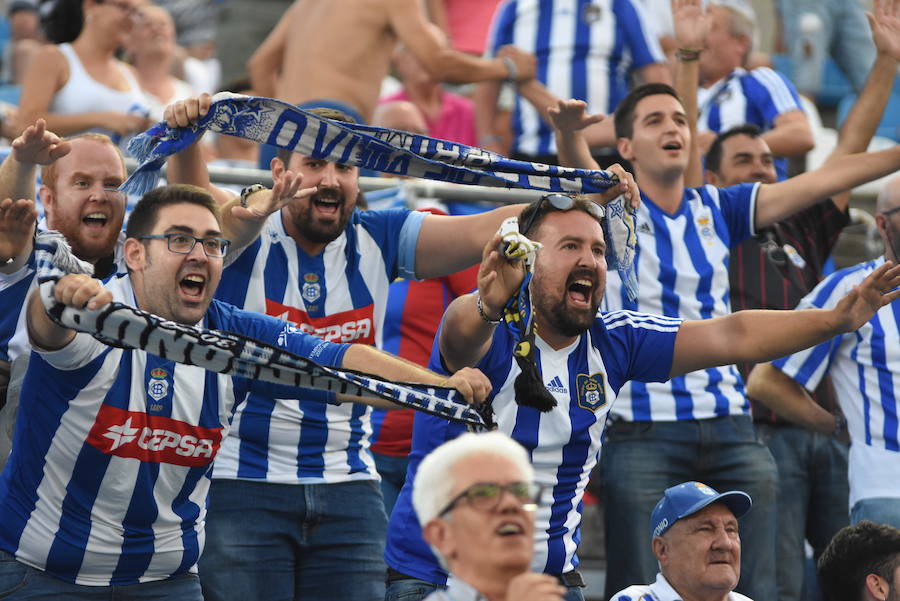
672,146
327,205
509,529
193,285
580,291
95,219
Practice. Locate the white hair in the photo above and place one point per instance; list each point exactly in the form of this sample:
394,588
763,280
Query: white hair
433,486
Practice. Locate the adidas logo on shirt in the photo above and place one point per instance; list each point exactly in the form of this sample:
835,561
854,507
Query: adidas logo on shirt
556,385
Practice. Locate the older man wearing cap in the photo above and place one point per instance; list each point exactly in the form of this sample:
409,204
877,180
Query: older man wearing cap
695,540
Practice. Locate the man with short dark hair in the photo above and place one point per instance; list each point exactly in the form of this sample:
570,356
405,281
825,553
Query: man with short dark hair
107,483
695,539
861,563
585,358
701,427
326,267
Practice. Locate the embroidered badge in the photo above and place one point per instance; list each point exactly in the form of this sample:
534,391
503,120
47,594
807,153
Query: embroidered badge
311,289
591,391
158,386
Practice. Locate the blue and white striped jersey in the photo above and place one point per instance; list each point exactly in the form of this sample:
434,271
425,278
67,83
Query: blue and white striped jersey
14,291
109,472
563,444
756,96
865,369
682,271
585,49
339,295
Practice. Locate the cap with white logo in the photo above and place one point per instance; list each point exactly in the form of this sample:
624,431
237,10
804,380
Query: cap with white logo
688,498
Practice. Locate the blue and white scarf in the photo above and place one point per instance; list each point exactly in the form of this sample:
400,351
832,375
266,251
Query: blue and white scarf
270,121
122,326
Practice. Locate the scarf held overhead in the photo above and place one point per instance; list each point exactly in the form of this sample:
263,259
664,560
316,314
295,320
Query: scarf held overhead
125,327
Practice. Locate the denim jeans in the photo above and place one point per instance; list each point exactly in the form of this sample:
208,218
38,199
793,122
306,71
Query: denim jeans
19,582
640,460
812,498
281,542
883,510
413,589
393,475
842,32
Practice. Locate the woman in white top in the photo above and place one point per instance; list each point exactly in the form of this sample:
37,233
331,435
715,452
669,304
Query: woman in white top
81,86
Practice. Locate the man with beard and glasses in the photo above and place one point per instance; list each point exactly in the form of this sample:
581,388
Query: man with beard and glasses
296,510
861,563
79,180
865,371
106,489
585,358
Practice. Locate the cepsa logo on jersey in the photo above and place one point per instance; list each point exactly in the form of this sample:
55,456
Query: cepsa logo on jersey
349,326
153,438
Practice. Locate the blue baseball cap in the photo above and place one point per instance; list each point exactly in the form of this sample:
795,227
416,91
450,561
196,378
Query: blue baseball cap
688,498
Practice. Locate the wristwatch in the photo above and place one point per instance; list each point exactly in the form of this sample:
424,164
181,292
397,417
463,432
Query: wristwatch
246,192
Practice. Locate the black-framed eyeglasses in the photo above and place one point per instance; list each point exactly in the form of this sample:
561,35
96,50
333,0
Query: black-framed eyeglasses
132,10
561,202
183,244
890,211
485,496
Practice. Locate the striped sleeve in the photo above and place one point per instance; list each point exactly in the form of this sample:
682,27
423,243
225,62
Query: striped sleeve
770,94
640,36
738,205
649,341
808,366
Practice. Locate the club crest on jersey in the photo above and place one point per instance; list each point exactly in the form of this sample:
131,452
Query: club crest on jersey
311,289
591,391
704,225
158,386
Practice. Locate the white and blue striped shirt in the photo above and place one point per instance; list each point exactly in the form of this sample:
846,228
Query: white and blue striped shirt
339,295
758,97
584,49
109,473
563,443
682,271
865,369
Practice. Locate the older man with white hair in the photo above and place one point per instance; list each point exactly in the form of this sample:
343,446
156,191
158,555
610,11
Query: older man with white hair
475,497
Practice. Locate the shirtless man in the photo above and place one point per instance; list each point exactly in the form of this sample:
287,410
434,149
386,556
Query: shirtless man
339,52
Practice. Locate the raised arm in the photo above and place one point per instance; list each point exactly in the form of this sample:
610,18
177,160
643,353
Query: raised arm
790,134
786,397
188,166
72,290
756,336
465,335
570,120
692,23
862,121
780,200
36,146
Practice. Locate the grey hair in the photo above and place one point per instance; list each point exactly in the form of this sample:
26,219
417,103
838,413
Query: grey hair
434,484
740,24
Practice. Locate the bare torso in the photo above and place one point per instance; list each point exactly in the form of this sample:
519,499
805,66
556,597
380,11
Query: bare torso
338,50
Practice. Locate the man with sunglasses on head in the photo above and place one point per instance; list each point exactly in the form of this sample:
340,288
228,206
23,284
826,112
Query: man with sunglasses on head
105,493
585,358
475,497
865,371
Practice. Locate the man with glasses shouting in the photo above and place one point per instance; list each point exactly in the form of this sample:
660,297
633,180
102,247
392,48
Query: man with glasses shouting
475,497
585,358
105,492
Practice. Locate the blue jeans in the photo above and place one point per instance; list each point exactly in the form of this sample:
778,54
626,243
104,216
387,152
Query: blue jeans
393,475
21,582
640,460
413,589
812,498
282,542
844,34
883,510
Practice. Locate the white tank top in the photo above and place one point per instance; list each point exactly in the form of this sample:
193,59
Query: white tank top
84,94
